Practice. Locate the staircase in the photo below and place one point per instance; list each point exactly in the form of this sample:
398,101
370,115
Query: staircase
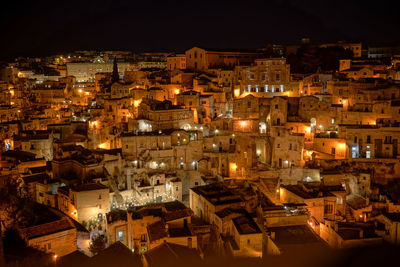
268,188
349,215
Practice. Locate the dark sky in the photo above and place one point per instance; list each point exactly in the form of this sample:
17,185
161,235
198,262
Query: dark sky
43,27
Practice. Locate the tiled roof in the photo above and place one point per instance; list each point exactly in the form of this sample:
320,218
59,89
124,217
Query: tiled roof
157,231
47,228
170,253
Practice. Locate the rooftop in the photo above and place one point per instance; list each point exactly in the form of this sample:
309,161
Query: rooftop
217,194
246,225
170,253
88,187
299,235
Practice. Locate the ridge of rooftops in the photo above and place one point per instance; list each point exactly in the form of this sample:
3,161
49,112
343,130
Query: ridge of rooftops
229,50
308,191
157,132
168,211
20,155
160,105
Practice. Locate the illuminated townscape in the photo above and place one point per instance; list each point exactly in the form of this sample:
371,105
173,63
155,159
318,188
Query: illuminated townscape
115,157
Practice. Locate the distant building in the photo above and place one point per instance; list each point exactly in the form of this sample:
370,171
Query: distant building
203,59
90,200
176,62
355,48
85,72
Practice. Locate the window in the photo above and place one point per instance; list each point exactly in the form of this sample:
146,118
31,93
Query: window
278,146
368,139
143,238
355,139
249,104
290,146
49,246
276,106
177,189
120,236
100,196
333,151
248,241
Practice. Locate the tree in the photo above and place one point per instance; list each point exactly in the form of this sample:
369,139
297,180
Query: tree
98,244
17,207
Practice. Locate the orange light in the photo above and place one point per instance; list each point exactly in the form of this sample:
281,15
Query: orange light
177,91
236,92
233,166
342,146
136,103
103,146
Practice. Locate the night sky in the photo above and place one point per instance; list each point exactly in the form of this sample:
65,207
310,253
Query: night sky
34,28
